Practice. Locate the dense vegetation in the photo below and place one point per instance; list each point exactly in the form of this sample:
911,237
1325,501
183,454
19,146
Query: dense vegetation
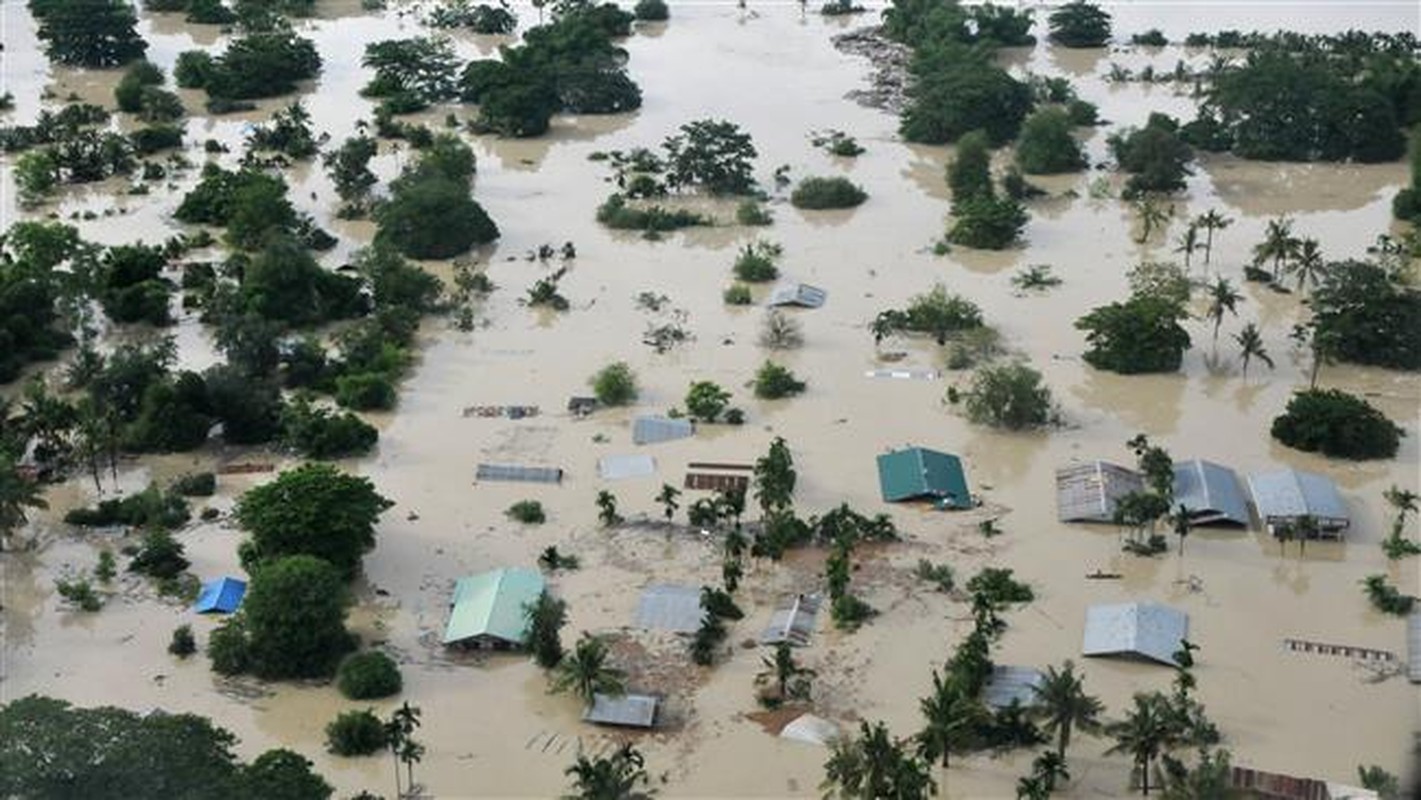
1365,314
835,192
430,213
1336,424
1141,334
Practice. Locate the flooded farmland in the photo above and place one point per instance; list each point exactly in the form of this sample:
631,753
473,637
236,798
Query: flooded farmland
490,726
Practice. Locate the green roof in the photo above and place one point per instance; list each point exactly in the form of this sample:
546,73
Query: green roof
917,472
491,604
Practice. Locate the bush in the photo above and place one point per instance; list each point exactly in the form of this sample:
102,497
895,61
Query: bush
1368,317
528,512
1008,396
1155,156
320,433
1338,425
432,217
737,295
750,212
160,556
148,508
705,400
1387,598
368,676
987,223
781,331
80,594
999,588
1046,146
1139,335
654,220
615,385
356,733
196,484
1153,37
228,648
652,11
1080,24
183,644
835,192
756,262
366,391
773,381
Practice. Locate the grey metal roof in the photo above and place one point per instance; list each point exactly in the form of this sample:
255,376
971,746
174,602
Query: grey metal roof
649,430
618,467
1413,647
797,294
670,608
904,374
1146,630
811,729
628,710
514,472
1089,492
1211,493
793,621
1290,493
1008,684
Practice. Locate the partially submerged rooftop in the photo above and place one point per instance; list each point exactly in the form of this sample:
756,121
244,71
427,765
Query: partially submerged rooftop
488,608
1211,492
1090,491
1149,631
665,607
1286,495
917,473
626,710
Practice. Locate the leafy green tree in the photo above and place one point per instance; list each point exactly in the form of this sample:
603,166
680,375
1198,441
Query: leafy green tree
1364,315
615,384
97,34
937,313
585,671
957,90
313,509
618,776
1046,146
705,400
951,716
262,63
1140,335
1338,425
1279,245
1080,24
546,616
410,74
988,223
773,381
713,155
607,509
320,433
1250,346
871,765
1063,707
370,675
355,733
667,498
1156,158
1008,396
969,176
249,408
775,478
284,775
349,169
36,175
430,214
294,615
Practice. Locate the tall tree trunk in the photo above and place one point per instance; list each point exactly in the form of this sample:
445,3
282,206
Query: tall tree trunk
1208,245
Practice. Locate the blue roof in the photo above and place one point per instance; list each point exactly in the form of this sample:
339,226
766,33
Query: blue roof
222,596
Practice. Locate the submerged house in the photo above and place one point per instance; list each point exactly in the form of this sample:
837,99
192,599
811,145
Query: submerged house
1089,492
917,473
623,711
1284,497
487,609
222,596
1148,631
1211,493
797,294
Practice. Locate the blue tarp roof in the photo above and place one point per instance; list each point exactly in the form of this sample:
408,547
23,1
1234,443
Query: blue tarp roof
222,596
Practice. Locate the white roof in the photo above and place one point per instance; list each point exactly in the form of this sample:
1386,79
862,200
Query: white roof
627,710
1293,493
617,467
810,729
670,608
649,430
1145,630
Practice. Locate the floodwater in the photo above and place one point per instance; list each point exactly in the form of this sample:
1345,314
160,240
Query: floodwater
489,725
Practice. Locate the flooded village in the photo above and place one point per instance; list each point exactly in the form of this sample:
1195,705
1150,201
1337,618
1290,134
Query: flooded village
872,505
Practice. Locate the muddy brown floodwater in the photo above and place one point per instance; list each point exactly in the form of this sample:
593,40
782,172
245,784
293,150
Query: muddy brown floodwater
490,727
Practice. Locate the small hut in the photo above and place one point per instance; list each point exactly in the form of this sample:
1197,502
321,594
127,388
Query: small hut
1284,497
1148,631
222,596
917,473
1089,492
487,609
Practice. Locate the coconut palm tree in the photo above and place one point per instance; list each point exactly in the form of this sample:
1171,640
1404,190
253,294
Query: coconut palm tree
782,669
667,499
874,765
1188,243
1050,768
1278,245
586,673
1223,298
1144,734
18,494
1250,343
1183,524
1211,221
951,714
1063,706
1405,502
619,776
1308,263
1151,215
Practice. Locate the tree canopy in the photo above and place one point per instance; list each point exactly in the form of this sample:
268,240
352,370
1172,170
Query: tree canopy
1141,334
293,618
713,155
1365,316
88,33
313,509
1337,424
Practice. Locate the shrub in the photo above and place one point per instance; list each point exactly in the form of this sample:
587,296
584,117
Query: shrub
196,484
1153,37
368,676
756,262
1336,424
366,391
987,223
737,295
148,508
1139,335
940,575
750,212
161,556
651,11
320,433
1046,145
999,588
228,647
356,733
773,381
835,192
615,384
1008,396
654,220
80,594
432,217
1155,156
705,400
781,331
1386,598
183,644
1366,316
528,512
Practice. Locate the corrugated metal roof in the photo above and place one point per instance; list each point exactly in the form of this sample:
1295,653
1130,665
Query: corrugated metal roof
628,710
792,621
1089,492
650,430
670,608
1290,493
1413,647
618,467
1012,684
221,596
917,472
811,729
491,604
797,294
1147,630
1211,493
513,472
717,481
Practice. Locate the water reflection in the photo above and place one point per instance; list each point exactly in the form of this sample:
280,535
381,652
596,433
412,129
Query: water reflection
1149,403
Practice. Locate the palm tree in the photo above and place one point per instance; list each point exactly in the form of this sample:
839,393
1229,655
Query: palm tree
1405,502
1250,343
614,777
1187,243
607,509
1151,215
1143,734
873,765
1050,767
586,673
667,499
398,732
1183,524
782,669
1063,706
1211,221
1223,298
18,493
1308,263
951,714
1278,245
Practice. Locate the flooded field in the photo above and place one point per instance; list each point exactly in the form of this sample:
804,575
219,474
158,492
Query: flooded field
490,727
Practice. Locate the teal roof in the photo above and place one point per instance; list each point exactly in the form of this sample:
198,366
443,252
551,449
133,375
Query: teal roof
916,472
491,604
